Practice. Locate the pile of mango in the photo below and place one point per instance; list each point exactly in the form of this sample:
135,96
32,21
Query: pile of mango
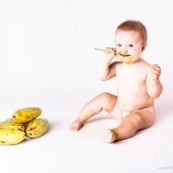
23,123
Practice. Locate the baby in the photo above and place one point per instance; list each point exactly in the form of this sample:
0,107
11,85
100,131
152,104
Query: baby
138,85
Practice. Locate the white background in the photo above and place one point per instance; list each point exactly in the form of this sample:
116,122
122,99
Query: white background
47,59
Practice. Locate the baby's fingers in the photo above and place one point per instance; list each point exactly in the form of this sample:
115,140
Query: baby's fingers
155,67
109,50
156,71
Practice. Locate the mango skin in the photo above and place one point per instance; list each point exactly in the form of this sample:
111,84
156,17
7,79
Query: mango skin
26,115
11,136
10,125
9,120
37,128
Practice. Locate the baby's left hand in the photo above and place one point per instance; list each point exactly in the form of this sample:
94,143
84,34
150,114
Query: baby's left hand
156,71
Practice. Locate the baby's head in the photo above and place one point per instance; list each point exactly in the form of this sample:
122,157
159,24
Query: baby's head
134,26
130,40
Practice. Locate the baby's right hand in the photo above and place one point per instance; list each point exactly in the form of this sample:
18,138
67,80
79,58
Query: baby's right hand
109,53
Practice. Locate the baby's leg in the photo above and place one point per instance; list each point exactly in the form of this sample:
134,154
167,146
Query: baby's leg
104,101
133,122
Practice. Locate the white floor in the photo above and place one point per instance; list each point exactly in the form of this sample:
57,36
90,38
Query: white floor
47,52
65,151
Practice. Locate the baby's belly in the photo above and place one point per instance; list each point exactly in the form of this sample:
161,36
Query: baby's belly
128,104
118,113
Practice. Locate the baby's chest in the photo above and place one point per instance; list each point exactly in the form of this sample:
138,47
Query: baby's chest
131,77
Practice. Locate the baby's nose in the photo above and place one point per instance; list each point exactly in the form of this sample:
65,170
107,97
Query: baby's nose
124,49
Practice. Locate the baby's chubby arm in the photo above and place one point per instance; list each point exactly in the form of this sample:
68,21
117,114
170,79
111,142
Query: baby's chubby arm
154,86
106,69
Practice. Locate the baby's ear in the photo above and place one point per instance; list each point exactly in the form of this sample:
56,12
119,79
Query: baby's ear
144,46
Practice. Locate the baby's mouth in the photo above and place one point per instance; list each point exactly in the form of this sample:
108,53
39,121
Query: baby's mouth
124,54
125,57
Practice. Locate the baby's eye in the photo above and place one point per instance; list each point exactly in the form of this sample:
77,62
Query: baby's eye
130,45
118,45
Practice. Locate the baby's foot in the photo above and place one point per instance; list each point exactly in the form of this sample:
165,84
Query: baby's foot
110,136
77,124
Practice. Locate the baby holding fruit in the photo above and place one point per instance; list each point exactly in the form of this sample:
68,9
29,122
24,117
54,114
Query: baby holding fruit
138,84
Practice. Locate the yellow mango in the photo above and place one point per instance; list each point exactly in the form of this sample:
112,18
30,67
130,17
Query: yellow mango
11,136
26,115
9,120
37,127
14,126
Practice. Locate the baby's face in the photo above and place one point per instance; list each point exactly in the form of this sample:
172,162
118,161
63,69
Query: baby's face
129,44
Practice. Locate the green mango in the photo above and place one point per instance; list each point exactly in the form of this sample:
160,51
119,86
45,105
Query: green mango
37,127
11,136
26,115
9,120
12,126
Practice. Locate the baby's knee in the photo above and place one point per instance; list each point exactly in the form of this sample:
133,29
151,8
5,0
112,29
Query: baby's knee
104,94
136,119
103,97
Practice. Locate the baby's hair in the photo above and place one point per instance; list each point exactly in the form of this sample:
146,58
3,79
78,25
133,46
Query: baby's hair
136,26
